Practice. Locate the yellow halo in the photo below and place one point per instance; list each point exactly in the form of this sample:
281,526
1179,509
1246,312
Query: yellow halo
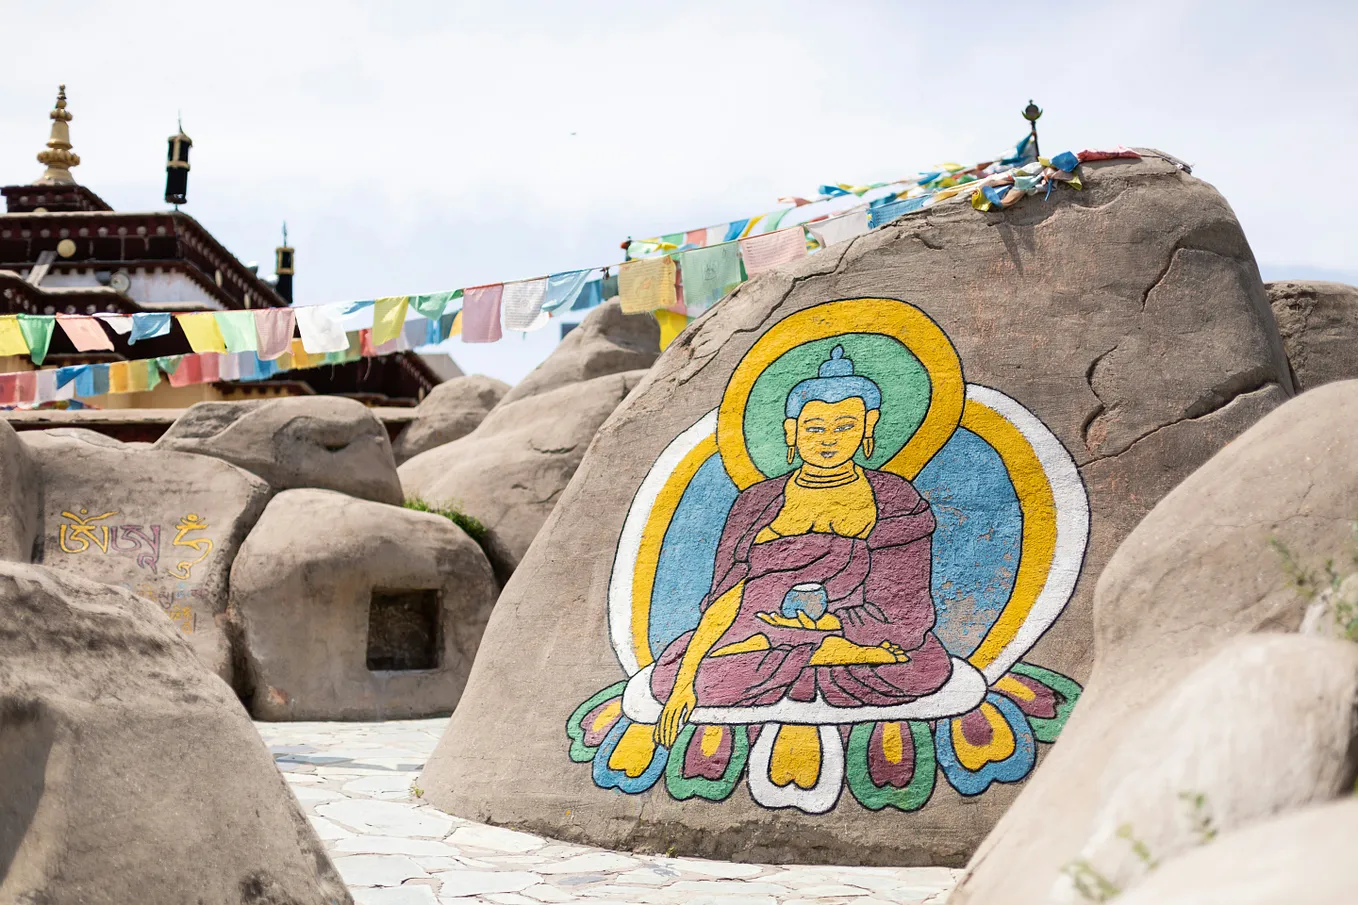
890,317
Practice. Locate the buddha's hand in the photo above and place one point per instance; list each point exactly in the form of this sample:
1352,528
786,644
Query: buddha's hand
896,651
801,620
676,713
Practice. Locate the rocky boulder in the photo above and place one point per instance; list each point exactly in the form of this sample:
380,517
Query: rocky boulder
1319,324
1240,546
508,473
606,342
1069,359
353,610
451,410
129,773
20,498
302,441
165,525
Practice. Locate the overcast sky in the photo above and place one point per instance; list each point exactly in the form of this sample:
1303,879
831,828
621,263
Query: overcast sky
423,146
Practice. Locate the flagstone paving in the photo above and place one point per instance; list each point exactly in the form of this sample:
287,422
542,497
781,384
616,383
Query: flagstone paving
356,782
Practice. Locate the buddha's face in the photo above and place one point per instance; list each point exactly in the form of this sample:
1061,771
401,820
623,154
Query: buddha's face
827,434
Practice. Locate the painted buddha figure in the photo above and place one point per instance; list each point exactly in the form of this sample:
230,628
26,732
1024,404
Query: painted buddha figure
821,588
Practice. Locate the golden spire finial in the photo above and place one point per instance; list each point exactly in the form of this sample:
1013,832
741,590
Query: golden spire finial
59,157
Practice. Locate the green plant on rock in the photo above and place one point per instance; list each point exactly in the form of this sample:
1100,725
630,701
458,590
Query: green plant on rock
468,523
1330,584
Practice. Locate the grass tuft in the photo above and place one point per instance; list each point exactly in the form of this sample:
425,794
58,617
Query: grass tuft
468,523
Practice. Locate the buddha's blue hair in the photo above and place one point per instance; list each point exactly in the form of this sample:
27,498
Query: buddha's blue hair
835,382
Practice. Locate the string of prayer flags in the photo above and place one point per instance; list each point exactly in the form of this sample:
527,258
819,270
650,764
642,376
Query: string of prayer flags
709,274
834,230
761,253
201,331
481,313
37,331
149,326
646,284
522,305
237,329
273,331
321,331
11,337
389,316
563,289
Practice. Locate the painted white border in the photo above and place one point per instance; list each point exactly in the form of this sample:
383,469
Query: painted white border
816,800
1072,525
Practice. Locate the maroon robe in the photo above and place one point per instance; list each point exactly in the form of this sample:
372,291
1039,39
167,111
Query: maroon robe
878,587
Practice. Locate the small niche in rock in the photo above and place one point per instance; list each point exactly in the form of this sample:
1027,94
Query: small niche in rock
403,630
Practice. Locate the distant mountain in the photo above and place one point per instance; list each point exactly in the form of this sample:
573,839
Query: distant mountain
1273,272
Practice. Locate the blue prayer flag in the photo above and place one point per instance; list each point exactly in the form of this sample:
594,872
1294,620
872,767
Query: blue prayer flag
736,227
1066,162
563,289
148,326
591,296
881,216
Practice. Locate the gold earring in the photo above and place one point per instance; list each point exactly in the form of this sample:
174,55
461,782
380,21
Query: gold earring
867,447
791,452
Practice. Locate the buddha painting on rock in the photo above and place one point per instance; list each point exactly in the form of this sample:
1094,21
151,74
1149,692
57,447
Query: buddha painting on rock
829,581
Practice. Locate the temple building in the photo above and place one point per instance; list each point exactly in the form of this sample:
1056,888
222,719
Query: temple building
64,250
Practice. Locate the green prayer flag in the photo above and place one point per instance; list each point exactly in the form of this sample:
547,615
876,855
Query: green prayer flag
238,329
709,274
168,364
37,330
433,305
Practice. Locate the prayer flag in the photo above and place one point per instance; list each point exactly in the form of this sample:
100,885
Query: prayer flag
300,357
591,296
118,377
696,237
85,334
190,369
229,367
841,228
118,323
152,374
9,389
11,337
202,333
273,331
881,216
138,376
481,314
709,274
37,330
28,386
389,316
209,367
67,375
522,304
761,253
93,382
1066,162
397,343
320,329
671,325
715,235
646,285
735,229
149,326
434,304
365,341
455,325
248,364
563,289
609,286
46,390
237,329
1089,154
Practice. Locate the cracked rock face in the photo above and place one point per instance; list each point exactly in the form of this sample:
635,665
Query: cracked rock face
1129,318
20,498
509,472
1319,324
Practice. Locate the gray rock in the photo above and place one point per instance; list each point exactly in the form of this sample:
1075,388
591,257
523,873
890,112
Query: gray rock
1200,569
326,442
20,498
509,472
1129,319
83,434
353,610
161,524
452,410
606,342
129,773
1319,324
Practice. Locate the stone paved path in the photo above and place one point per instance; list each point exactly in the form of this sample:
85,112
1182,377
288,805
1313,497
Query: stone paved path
355,782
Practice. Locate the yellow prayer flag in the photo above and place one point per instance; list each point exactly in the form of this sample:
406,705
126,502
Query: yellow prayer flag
202,332
389,316
11,337
138,376
301,358
672,323
456,328
119,377
646,285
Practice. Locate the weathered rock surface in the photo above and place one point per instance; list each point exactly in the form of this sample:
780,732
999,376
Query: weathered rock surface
161,524
20,498
1129,318
353,610
1200,569
1319,324
128,773
606,342
509,472
1301,858
452,410
326,442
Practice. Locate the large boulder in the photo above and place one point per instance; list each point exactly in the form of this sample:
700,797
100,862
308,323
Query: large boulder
508,473
1319,324
353,610
1047,373
128,773
165,525
1240,546
300,441
20,498
451,410
606,342
1301,858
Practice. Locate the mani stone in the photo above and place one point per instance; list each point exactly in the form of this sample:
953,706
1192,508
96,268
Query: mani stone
1129,318
508,472
128,772
606,342
451,410
20,498
1203,567
353,610
1319,323
164,525
302,441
